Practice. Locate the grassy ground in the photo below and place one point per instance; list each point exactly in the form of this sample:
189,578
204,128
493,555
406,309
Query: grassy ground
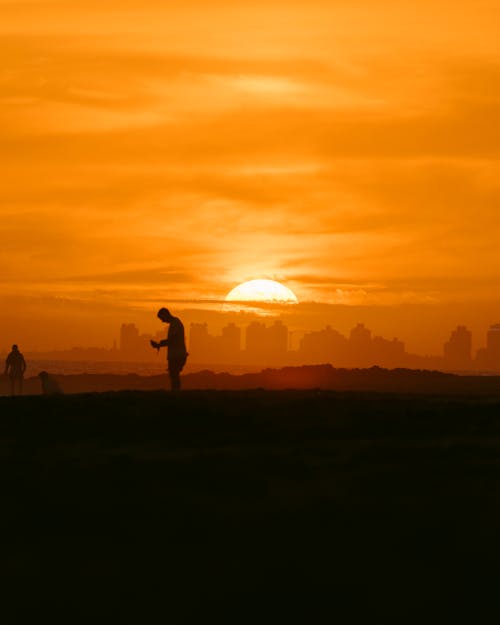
250,507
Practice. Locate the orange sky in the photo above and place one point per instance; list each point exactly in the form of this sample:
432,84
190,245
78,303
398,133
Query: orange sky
157,152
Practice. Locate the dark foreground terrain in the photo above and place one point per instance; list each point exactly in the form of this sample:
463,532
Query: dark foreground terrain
323,377
250,507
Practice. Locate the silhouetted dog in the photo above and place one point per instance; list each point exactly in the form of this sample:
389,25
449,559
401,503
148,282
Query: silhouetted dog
50,385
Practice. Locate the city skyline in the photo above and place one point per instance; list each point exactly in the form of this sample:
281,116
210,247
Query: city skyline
270,343
261,343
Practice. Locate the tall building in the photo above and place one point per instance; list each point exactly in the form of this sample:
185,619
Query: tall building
255,340
205,348
493,342
266,345
135,346
387,353
458,349
230,340
277,340
323,346
360,335
200,342
488,358
360,345
359,350
129,338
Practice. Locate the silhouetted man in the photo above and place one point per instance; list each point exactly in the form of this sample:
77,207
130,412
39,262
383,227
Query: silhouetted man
176,344
15,366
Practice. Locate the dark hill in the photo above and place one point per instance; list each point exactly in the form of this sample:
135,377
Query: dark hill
323,377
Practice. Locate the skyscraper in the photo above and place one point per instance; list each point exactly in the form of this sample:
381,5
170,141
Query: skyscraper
129,338
458,349
493,344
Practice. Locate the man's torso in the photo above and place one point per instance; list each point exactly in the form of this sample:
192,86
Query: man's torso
176,340
15,362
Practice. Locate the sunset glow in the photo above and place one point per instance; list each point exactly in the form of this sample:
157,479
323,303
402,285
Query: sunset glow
158,153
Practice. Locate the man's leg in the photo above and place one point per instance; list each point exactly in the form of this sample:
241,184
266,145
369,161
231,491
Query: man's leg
12,385
175,378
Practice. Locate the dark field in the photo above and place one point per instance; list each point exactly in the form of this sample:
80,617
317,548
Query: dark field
250,507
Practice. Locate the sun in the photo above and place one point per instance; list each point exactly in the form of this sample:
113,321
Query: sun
266,291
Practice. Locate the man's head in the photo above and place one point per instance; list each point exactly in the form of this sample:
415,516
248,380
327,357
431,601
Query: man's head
15,348
164,315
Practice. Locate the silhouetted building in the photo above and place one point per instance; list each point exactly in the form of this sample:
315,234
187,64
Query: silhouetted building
488,359
206,348
329,346
493,342
255,341
266,345
458,349
277,340
229,343
360,346
200,345
135,346
130,342
387,353
360,337
323,346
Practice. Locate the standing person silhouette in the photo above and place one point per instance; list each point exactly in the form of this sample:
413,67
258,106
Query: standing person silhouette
176,344
15,366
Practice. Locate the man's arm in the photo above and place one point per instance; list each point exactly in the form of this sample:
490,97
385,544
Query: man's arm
156,345
23,365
